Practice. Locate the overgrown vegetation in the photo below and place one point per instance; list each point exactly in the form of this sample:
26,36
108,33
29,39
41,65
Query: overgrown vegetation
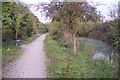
43,29
70,18
63,64
17,23
30,39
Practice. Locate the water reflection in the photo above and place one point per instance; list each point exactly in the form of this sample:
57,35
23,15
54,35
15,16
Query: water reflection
100,49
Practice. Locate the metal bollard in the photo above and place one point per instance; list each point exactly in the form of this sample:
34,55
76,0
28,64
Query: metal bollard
17,42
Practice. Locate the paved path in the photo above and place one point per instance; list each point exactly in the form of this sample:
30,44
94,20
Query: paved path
31,64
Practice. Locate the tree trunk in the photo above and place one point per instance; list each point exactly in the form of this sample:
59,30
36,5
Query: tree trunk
36,31
16,35
74,44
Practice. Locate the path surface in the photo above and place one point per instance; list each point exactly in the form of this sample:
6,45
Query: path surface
31,64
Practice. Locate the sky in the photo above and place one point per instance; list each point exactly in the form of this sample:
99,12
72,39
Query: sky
102,8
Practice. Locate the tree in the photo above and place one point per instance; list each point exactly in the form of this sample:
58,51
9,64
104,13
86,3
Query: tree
69,17
18,21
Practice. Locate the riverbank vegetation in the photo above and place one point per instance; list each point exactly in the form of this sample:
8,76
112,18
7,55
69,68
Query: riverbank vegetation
63,64
69,21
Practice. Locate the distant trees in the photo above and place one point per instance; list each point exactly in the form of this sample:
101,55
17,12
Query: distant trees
115,28
114,24
70,18
17,21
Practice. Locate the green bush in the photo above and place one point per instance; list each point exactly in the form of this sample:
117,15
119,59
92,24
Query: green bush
42,29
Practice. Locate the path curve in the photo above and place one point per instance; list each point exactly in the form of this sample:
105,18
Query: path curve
31,64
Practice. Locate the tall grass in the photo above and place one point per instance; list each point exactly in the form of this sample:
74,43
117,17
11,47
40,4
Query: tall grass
63,64
10,52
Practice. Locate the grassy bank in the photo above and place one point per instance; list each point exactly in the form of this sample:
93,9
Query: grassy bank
62,63
30,39
10,52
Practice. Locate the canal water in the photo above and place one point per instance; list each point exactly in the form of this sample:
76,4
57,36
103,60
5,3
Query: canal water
100,49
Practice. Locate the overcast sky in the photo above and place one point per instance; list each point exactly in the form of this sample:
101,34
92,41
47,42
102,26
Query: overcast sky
103,8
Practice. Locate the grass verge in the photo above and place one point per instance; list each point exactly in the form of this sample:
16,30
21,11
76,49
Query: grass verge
29,39
10,52
61,63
